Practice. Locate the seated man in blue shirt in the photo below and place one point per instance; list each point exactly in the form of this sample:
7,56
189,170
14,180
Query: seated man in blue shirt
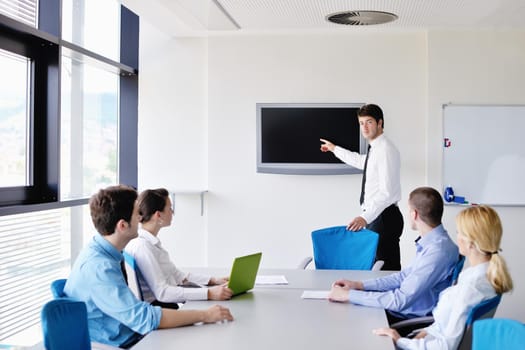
413,291
115,315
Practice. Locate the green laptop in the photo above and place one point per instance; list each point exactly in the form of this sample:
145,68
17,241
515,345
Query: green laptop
243,273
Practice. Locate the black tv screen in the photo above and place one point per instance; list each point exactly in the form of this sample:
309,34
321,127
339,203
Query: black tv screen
288,137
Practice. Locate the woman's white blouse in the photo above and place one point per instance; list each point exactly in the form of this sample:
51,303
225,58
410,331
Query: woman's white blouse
451,311
160,278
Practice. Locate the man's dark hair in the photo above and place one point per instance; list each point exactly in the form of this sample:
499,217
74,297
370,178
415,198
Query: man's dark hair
110,205
428,203
371,110
151,201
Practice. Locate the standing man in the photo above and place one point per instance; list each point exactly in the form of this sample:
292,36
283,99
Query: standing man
115,316
381,185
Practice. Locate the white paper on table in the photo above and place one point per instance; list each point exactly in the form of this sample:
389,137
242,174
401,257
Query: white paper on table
271,279
315,294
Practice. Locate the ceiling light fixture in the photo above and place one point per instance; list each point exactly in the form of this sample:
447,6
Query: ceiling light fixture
361,18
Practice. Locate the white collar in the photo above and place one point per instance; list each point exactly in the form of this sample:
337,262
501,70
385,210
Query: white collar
148,237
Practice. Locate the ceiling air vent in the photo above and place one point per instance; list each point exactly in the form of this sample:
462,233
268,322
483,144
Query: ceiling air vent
361,18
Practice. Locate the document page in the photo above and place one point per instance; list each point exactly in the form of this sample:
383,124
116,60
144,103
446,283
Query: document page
270,279
315,294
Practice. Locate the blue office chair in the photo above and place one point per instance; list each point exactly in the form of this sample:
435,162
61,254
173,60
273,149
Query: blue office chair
457,269
498,333
336,248
64,324
57,288
485,309
134,278
132,270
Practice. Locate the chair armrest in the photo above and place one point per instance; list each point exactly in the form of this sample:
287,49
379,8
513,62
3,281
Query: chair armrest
304,263
100,346
409,328
378,265
417,321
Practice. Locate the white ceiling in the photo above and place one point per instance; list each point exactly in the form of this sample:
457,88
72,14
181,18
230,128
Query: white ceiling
215,17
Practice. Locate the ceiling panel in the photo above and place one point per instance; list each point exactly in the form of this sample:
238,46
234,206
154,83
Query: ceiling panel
205,17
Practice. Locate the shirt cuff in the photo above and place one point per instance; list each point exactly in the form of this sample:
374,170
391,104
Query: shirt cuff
353,295
158,315
369,284
199,279
403,343
195,293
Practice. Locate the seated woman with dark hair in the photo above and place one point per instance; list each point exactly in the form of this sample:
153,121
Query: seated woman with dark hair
161,280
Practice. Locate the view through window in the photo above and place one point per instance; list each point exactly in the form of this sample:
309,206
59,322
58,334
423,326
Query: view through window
39,246
14,120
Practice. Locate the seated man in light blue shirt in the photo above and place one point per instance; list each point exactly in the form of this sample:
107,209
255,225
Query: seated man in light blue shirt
115,316
413,291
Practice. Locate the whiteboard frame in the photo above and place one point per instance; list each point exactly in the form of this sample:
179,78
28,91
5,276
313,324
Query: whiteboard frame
443,167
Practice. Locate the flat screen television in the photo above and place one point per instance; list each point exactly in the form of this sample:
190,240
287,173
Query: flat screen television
288,137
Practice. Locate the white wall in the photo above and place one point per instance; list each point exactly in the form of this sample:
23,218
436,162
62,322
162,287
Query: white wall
172,149
197,130
479,68
276,213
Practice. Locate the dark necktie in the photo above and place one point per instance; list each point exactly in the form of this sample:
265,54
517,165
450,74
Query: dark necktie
123,268
362,198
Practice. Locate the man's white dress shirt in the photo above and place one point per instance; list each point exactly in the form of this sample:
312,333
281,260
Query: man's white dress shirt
383,179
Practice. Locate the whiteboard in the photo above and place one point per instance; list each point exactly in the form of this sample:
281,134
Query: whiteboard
484,153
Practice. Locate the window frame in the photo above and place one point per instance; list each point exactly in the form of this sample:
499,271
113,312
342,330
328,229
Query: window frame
43,54
44,47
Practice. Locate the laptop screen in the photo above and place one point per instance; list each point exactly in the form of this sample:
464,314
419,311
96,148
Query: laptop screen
244,272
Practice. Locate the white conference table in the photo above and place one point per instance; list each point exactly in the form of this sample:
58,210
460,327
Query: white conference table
276,317
307,279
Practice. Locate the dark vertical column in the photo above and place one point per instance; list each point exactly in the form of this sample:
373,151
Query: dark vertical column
46,113
129,55
50,17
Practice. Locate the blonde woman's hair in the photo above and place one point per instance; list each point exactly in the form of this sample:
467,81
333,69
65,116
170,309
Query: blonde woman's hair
482,226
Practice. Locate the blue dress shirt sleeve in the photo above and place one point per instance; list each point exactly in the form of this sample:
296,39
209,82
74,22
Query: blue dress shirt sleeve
113,297
416,282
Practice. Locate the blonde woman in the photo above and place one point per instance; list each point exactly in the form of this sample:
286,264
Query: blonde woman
479,237
161,281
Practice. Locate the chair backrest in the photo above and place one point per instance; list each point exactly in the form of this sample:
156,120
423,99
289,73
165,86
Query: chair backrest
65,325
457,269
57,288
498,333
132,270
483,310
337,248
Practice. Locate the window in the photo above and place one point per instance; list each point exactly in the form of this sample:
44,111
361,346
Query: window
93,25
34,250
33,61
21,10
61,138
14,120
89,129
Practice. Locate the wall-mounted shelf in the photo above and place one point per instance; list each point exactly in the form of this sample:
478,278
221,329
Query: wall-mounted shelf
200,193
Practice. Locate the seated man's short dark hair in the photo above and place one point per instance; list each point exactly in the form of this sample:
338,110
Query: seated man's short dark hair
111,204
